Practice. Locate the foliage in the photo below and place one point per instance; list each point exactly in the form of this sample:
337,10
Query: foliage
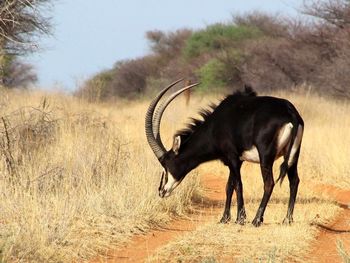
168,45
96,88
18,74
217,36
211,75
316,53
268,25
333,12
129,78
266,51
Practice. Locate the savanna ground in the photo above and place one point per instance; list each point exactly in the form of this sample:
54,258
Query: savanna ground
78,179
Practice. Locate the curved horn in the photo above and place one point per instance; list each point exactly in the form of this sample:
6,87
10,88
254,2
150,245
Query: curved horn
159,112
157,147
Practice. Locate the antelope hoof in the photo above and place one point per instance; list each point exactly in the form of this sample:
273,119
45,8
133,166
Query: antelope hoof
240,221
225,219
241,216
257,222
287,221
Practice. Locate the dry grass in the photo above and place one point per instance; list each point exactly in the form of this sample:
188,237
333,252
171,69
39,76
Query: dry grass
78,178
326,151
344,254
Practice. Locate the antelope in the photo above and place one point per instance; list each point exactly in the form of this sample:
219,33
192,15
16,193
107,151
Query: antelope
242,127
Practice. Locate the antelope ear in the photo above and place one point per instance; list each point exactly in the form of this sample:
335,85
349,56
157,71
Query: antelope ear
176,144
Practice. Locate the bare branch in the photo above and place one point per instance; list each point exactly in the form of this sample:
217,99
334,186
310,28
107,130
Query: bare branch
21,23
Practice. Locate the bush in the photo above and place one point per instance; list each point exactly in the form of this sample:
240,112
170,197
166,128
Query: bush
131,76
316,53
217,36
168,45
127,80
97,88
211,75
266,51
15,73
269,25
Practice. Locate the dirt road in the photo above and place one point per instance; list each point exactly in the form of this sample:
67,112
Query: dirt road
142,247
324,245
323,248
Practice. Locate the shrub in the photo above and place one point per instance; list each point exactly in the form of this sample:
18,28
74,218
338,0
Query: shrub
127,79
269,25
315,53
211,75
168,45
217,36
131,76
97,88
15,73
266,51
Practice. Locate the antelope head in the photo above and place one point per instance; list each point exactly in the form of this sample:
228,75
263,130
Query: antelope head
172,173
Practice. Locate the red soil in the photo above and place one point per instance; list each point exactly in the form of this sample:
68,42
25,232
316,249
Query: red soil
143,246
323,248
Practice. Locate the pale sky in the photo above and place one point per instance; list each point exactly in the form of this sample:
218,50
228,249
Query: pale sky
91,35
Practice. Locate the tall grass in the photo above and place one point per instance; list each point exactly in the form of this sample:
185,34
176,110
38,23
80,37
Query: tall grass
325,147
79,178
76,178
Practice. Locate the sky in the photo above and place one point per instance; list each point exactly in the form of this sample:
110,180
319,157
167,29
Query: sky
90,36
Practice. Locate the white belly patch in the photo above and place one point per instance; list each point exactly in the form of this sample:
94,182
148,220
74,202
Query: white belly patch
251,155
283,140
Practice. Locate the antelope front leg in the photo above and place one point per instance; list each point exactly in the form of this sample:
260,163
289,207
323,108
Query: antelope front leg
234,183
268,187
226,217
241,215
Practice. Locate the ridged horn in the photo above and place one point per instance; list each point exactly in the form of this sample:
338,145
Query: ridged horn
157,147
159,112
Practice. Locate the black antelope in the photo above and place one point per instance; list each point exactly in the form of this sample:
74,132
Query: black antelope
243,127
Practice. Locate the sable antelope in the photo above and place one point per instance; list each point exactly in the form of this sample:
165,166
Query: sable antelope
243,127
